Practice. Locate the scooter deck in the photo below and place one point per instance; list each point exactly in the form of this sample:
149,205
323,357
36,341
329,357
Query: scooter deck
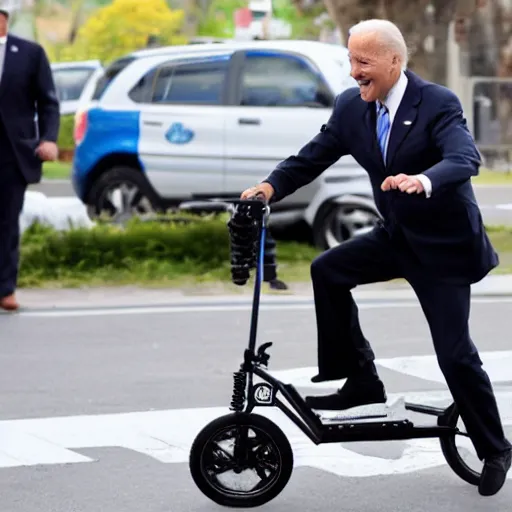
365,413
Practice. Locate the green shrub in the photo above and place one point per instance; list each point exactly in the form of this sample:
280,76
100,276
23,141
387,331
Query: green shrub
65,141
168,253
204,243
138,252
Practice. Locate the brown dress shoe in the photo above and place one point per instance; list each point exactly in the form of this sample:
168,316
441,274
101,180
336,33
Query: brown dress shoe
9,303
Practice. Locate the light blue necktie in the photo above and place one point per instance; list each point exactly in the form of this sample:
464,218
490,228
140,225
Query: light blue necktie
382,128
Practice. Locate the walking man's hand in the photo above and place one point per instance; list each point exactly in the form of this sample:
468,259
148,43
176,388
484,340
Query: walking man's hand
47,151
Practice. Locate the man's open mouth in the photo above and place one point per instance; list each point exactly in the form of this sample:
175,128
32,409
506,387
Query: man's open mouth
364,83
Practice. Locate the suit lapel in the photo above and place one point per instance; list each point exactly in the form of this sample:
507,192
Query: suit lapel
9,62
404,118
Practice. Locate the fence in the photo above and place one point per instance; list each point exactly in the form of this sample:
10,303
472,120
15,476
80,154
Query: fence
487,103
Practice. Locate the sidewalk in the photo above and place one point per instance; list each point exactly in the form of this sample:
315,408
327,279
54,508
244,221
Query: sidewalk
494,285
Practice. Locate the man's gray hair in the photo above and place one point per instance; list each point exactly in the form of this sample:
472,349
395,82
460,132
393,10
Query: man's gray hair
389,32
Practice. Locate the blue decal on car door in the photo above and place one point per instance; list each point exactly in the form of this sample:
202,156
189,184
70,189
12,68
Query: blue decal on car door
178,134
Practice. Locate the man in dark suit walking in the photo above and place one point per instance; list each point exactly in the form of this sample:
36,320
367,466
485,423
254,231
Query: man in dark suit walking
411,137
27,91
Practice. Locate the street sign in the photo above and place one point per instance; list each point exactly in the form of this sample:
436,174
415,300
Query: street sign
243,17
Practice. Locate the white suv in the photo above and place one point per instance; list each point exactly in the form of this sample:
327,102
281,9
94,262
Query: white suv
170,125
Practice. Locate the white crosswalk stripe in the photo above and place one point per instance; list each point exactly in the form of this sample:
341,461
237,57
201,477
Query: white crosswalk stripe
167,435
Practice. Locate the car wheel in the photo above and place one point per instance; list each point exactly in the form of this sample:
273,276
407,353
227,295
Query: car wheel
120,194
338,222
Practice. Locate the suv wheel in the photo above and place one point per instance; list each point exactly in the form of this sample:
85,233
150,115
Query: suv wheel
120,194
336,223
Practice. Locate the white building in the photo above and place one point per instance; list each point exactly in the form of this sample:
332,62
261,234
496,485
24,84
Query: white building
13,6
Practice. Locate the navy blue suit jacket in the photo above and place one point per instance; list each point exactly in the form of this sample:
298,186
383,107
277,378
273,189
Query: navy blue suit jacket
27,89
444,234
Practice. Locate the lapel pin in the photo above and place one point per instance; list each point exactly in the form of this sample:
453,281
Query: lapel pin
407,122
14,48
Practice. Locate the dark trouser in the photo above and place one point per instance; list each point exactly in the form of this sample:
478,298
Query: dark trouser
343,349
12,193
269,258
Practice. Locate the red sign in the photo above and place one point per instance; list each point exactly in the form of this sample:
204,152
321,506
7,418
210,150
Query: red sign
243,17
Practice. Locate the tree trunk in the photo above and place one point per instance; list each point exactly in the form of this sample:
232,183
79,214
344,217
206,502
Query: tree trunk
76,10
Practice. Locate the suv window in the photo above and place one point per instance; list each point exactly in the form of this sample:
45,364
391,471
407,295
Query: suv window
281,80
70,82
110,73
196,83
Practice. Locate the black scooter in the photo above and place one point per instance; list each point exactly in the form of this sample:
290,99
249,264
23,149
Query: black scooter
256,443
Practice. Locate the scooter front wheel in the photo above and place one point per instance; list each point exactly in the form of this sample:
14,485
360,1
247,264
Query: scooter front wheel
248,450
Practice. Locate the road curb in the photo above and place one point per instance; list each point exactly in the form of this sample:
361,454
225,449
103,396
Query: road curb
129,297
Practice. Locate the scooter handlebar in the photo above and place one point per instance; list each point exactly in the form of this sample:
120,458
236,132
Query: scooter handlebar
224,203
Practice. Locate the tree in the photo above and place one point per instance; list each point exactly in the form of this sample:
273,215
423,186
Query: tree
420,21
217,20
125,26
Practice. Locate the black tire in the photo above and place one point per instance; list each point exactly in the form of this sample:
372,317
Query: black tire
451,452
280,453
112,178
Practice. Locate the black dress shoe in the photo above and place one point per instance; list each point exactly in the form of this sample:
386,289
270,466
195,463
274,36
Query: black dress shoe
494,473
277,284
354,393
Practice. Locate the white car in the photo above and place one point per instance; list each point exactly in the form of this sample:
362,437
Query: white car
170,125
71,80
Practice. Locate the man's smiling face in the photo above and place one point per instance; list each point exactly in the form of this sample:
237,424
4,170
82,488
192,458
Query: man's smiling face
374,65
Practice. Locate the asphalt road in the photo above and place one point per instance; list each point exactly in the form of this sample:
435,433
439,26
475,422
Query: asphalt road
54,188
495,201
98,407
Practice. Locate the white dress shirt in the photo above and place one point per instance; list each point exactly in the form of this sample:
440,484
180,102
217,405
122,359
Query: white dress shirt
392,102
3,40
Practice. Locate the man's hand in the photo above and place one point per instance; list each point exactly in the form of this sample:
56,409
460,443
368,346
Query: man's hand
403,182
264,189
47,151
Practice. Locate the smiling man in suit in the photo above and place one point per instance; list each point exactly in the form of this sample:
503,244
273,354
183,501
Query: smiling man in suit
27,91
411,137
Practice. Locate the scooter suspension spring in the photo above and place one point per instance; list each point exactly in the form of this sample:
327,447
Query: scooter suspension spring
238,398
